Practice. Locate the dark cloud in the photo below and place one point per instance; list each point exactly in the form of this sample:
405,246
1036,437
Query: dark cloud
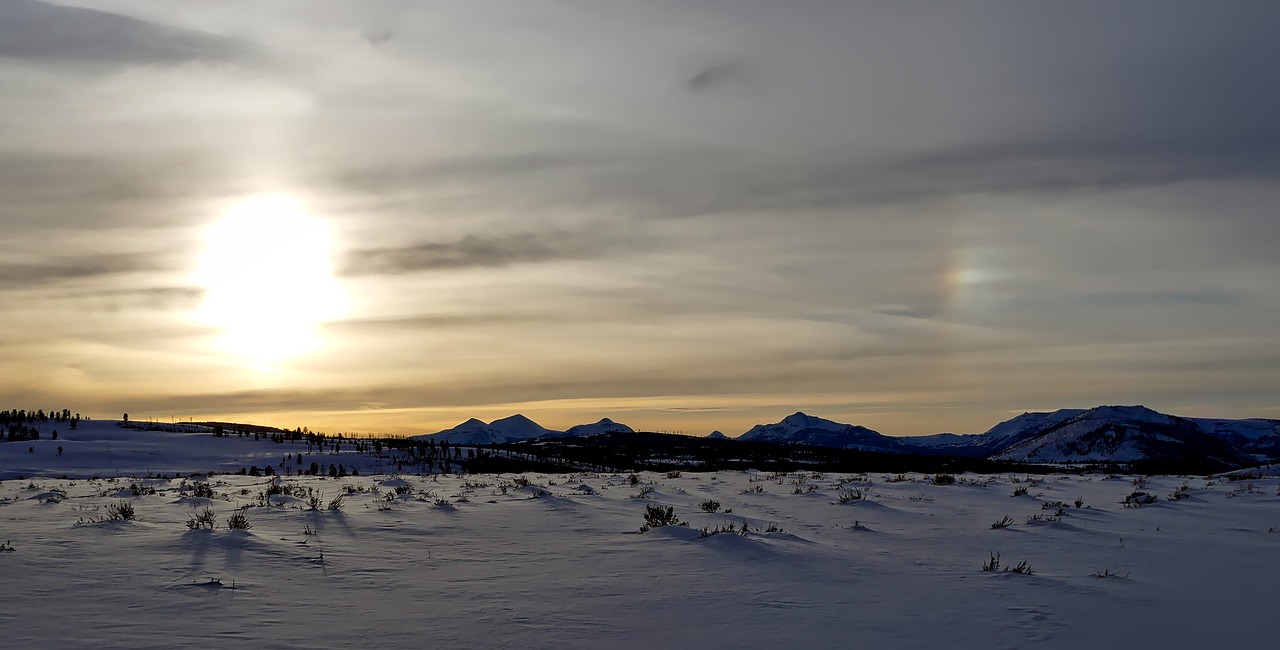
1175,298
474,169
716,76
478,251
444,321
894,196
155,298
378,38
96,191
23,275
42,31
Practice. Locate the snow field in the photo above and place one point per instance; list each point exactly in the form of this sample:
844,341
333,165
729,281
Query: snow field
481,561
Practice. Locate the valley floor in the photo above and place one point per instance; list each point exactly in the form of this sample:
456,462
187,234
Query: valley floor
488,562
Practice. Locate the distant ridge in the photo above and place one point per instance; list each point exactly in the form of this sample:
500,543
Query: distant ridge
516,428
801,428
604,425
1099,434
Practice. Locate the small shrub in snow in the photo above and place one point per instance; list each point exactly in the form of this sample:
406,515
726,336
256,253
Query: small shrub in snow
1019,491
1006,522
1023,568
1079,502
336,503
1106,573
1036,518
1181,492
710,506
845,496
521,482
238,521
657,517
122,511
1138,498
755,489
943,479
673,474
644,492
992,564
729,527
203,519
634,480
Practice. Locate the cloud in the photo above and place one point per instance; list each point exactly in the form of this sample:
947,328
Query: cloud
717,76
151,298
32,30
22,274
445,321
478,251
974,206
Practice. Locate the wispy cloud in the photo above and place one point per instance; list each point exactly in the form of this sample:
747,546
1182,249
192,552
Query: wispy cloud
33,30
479,251
912,207
21,274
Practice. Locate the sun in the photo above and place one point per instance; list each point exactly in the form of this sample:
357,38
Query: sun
268,278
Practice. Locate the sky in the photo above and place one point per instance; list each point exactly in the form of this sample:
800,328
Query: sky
685,215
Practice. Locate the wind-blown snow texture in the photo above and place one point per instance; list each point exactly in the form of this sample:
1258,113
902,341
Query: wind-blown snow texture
480,561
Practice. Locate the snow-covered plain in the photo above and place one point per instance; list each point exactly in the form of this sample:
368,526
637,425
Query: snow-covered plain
484,561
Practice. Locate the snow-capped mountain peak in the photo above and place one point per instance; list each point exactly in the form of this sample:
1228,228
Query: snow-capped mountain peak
604,425
800,421
519,427
801,428
477,432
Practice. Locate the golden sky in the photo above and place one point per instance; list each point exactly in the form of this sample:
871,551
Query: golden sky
390,217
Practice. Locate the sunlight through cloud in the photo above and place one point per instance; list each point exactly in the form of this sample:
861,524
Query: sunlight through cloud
268,279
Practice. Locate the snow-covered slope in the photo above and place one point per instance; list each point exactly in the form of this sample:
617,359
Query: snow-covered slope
1254,436
113,448
605,425
471,562
802,429
477,432
1121,434
997,438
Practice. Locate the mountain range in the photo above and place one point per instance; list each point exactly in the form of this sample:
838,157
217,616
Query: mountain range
514,429
1100,434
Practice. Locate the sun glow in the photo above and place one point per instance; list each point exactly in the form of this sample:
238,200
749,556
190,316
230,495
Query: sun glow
268,279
